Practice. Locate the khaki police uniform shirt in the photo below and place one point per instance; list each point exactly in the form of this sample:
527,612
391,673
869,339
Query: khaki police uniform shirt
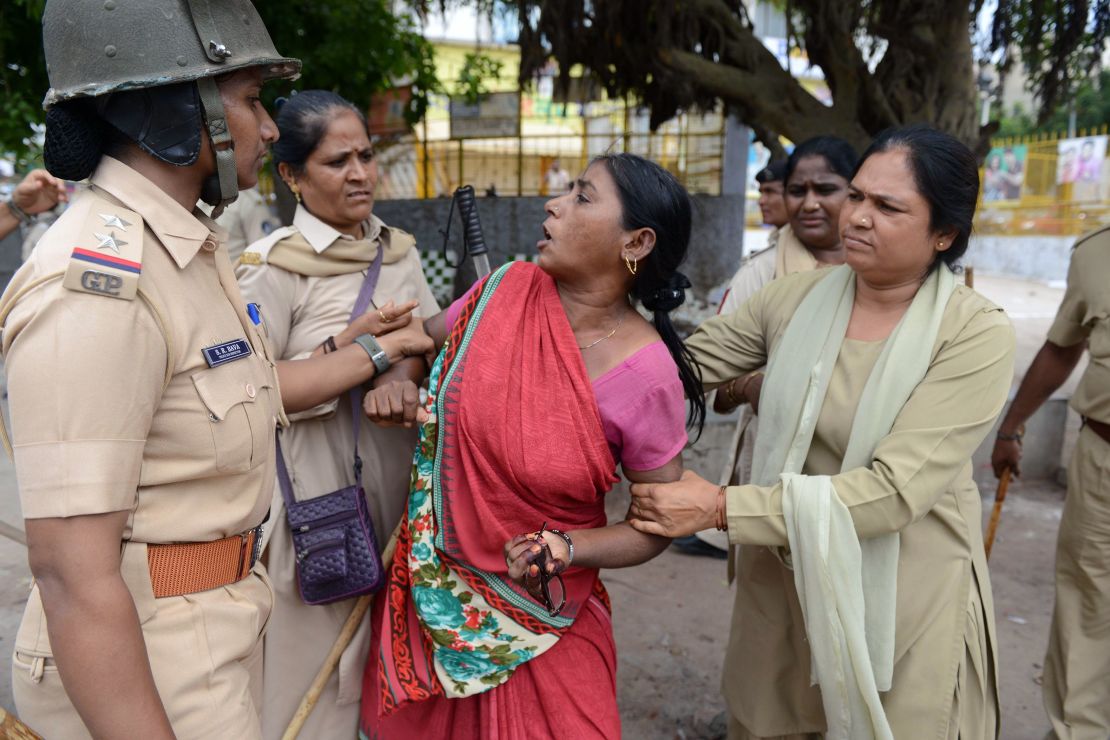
115,408
248,219
301,312
919,484
1084,314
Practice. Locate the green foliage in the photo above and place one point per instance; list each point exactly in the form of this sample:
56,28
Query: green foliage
476,70
885,62
1092,110
1018,122
1059,43
354,47
22,79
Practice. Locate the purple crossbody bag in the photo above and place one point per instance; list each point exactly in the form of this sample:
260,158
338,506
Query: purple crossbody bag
333,535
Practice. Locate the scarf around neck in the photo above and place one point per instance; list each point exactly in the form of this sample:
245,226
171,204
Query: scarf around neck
791,255
847,588
343,256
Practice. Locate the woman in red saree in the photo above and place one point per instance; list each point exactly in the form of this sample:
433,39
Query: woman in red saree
548,379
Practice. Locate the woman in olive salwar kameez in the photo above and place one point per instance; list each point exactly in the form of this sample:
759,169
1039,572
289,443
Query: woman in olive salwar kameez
863,607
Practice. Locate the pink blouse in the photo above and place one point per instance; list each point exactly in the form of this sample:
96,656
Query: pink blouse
643,409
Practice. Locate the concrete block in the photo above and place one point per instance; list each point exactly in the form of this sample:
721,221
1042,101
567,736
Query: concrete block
1043,258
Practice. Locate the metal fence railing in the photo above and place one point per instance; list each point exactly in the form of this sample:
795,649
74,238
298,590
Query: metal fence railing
1046,184
515,166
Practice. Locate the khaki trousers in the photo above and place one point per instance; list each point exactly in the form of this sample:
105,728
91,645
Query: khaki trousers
297,642
205,651
737,731
1077,666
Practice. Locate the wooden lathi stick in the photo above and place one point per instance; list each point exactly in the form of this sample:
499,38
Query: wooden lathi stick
969,277
308,703
999,497
12,729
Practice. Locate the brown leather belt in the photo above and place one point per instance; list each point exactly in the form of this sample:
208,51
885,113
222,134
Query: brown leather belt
189,567
1100,428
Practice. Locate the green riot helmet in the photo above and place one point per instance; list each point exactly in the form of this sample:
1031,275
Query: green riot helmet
147,69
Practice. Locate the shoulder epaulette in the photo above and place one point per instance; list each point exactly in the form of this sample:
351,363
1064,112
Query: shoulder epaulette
107,259
256,253
399,239
1090,235
756,253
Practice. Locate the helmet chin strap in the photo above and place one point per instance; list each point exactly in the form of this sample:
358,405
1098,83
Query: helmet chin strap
222,188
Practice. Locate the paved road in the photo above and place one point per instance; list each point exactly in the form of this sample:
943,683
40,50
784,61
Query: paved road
671,615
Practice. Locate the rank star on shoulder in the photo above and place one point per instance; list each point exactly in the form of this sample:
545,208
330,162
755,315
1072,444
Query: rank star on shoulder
109,241
113,221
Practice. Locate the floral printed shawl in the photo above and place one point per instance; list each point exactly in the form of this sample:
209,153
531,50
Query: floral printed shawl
516,440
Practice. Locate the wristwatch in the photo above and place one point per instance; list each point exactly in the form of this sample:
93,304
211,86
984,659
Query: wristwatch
378,355
1015,437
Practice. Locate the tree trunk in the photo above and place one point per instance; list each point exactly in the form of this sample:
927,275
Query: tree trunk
682,54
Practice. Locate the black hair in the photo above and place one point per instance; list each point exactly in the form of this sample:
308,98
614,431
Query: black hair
775,171
76,138
837,153
652,198
302,122
946,175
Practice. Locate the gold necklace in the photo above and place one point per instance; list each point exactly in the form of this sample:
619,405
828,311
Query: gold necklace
599,341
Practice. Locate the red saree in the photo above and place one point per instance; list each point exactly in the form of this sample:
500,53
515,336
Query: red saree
459,650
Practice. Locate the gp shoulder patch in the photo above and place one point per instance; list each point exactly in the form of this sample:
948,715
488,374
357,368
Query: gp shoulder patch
250,258
107,259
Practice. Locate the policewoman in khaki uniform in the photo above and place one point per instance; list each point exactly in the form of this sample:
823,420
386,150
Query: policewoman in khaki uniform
1077,666
143,398
307,277
878,641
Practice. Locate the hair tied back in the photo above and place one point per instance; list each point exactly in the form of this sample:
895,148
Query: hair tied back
669,296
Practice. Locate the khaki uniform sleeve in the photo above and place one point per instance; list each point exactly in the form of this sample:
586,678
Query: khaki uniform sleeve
729,345
1071,323
755,273
85,375
932,440
275,291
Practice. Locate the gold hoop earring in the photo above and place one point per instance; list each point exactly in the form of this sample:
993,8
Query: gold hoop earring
631,265
296,191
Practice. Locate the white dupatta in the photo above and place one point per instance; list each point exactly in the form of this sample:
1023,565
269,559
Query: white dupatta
847,587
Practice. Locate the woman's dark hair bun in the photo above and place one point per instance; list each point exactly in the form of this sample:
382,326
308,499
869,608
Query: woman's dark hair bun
651,198
303,120
75,139
670,295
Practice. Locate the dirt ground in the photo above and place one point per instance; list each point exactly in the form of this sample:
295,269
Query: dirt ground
671,615
671,620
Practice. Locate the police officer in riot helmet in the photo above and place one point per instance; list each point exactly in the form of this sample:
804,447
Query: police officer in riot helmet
143,397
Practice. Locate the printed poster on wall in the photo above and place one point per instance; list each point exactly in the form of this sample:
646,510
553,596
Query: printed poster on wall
1081,164
1004,173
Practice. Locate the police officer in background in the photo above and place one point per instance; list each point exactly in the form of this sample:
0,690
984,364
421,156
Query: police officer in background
143,397
1077,665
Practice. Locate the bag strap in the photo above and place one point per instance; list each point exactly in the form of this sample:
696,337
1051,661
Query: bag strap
284,483
365,293
362,302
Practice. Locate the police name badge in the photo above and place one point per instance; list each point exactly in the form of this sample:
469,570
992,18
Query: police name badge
221,354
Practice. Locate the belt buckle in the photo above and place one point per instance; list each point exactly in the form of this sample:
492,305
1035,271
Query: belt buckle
247,561
256,551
